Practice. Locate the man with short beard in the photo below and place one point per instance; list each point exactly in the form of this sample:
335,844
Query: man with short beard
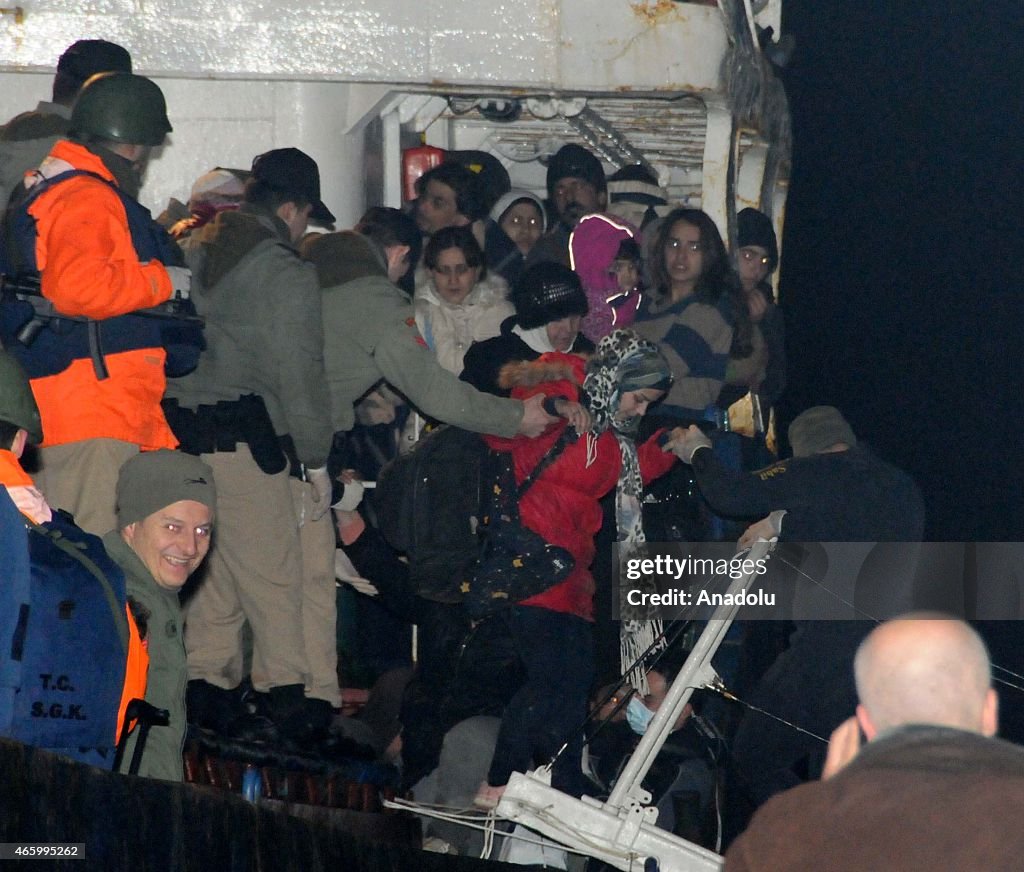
576,187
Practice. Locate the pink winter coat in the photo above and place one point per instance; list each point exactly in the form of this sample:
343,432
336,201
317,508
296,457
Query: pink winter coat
592,249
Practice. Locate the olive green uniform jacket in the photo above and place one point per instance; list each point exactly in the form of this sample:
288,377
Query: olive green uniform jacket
370,334
165,685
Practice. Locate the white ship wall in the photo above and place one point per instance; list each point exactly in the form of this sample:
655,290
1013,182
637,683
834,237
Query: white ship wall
242,77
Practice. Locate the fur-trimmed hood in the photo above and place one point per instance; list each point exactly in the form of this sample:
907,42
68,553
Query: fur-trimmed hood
553,367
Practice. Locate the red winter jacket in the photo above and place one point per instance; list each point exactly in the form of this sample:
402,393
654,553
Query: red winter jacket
562,505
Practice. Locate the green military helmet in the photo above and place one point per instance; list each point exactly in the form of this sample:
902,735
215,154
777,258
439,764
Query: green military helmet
121,107
17,404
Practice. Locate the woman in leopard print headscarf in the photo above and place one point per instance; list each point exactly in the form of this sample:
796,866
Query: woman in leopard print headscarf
552,631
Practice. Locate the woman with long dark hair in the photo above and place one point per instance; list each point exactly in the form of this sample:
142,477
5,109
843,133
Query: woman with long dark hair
696,312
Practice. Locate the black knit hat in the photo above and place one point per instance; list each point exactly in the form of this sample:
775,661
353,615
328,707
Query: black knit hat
547,292
575,161
755,228
492,177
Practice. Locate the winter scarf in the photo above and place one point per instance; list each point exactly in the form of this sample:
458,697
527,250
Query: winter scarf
624,362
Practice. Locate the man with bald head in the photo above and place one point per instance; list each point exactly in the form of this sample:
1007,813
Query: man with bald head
924,671
931,789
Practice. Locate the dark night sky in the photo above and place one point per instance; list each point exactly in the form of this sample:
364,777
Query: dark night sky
903,249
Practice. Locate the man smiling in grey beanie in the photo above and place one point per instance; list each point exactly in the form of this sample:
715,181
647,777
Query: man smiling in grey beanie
165,507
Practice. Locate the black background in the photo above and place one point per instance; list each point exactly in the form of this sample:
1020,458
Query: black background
903,251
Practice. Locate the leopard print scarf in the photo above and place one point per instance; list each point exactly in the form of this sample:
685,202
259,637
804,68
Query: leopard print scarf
622,362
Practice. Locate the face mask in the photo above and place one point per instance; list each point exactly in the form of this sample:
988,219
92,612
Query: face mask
638,716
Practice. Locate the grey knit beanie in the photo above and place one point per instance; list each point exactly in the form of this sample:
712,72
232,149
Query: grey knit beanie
153,480
818,428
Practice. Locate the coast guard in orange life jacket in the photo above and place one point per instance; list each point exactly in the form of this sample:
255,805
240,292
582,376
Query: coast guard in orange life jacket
98,373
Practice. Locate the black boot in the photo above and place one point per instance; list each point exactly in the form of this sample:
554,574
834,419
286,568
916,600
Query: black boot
296,720
223,712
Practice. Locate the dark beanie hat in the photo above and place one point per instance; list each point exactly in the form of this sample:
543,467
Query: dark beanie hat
575,161
547,292
492,177
87,57
153,480
755,228
818,428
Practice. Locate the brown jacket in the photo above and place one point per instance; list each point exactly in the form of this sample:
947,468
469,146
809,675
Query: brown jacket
919,799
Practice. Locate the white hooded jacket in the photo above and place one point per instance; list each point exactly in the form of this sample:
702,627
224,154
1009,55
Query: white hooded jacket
450,329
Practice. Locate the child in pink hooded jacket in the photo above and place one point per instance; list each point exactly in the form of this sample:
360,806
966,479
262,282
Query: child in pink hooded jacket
604,252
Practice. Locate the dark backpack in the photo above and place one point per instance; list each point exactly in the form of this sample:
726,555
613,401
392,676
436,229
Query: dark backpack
429,503
63,638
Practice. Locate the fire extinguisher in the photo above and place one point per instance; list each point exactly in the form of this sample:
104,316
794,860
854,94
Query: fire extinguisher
415,162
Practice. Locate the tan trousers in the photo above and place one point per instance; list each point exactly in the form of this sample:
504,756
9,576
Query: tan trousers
319,605
81,478
253,573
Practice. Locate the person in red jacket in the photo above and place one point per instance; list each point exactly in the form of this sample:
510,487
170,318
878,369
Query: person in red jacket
99,256
553,629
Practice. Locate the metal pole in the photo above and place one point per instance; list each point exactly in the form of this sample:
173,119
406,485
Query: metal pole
696,672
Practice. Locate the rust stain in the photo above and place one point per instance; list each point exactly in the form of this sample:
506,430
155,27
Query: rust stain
652,13
16,12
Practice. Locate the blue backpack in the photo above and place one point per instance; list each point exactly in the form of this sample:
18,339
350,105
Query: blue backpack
63,637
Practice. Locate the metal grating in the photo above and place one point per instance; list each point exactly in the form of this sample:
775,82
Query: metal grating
669,134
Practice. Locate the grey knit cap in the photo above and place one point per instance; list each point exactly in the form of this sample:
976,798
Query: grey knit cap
153,480
818,428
